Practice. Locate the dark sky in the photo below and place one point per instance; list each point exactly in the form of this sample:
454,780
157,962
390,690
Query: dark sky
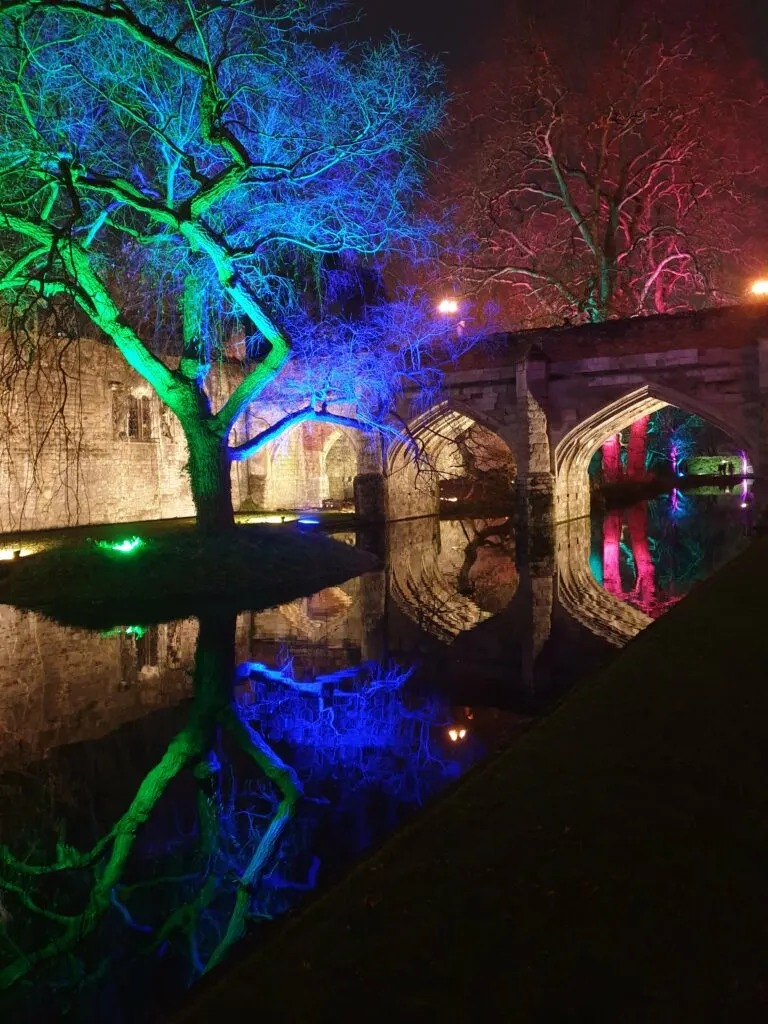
459,29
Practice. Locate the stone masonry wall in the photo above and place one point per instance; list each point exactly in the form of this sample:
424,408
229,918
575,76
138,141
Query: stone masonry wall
85,440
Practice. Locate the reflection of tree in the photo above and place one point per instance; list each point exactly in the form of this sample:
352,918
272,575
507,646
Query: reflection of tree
202,848
653,552
105,864
488,573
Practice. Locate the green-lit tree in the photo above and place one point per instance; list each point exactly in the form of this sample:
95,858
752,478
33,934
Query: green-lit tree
211,157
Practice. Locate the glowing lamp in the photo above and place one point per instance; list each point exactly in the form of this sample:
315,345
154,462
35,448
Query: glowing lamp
448,307
760,287
309,522
456,734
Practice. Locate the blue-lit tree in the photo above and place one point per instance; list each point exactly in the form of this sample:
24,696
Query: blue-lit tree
184,869
211,158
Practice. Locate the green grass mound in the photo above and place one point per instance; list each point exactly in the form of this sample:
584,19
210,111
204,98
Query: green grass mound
99,584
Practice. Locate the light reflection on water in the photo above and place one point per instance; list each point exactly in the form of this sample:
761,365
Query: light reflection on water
190,781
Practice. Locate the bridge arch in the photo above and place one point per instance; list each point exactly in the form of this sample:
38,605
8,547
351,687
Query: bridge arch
575,450
427,452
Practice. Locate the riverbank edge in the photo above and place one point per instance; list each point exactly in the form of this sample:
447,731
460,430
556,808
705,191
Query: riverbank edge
610,865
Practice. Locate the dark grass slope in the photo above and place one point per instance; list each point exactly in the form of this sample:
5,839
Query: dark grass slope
178,573
611,866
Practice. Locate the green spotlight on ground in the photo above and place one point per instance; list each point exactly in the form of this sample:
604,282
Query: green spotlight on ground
124,547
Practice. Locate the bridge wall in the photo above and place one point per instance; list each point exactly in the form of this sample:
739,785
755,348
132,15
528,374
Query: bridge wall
555,396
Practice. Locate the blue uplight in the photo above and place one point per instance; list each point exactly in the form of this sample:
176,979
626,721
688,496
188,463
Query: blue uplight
309,522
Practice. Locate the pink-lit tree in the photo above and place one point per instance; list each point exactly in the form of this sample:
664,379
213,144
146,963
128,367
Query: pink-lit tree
607,168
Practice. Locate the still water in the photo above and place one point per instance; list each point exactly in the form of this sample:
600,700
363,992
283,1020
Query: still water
166,789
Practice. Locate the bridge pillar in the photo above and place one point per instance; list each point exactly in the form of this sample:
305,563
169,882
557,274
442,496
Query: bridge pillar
370,484
535,481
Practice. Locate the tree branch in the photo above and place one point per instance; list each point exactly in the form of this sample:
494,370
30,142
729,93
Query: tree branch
244,451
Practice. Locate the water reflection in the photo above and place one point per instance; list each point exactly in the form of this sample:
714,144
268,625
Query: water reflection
164,788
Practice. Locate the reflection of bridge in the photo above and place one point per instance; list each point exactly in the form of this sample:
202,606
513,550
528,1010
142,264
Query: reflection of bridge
425,586
554,396
579,593
446,580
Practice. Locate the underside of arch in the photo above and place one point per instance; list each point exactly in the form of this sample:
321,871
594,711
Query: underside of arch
575,450
425,454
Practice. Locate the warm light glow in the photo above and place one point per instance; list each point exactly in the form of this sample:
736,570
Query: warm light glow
8,554
760,287
448,307
457,734
266,519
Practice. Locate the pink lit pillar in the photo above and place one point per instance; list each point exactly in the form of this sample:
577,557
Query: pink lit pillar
612,460
645,585
638,440
612,525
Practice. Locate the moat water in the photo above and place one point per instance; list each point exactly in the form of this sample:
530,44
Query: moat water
166,790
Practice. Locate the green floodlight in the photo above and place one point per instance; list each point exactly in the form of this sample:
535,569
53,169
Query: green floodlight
123,547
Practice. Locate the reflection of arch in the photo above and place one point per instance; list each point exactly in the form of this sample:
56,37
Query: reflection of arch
581,595
318,615
427,563
417,460
573,453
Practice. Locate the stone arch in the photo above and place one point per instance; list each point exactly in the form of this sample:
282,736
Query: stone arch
296,465
573,453
338,466
424,453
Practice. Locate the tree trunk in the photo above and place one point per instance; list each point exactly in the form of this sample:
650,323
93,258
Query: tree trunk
612,527
644,592
638,441
612,460
210,478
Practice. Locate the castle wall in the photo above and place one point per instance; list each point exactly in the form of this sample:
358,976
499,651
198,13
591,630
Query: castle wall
85,440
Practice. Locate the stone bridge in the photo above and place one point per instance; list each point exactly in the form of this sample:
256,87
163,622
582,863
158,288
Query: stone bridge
554,396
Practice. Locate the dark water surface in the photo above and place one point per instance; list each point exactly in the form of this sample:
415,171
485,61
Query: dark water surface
165,789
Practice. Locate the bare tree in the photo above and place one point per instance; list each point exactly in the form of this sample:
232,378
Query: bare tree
608,179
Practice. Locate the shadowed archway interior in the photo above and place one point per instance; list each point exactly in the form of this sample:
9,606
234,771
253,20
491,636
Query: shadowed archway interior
438,446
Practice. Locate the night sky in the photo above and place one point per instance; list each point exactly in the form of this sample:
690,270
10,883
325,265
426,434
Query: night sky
458,30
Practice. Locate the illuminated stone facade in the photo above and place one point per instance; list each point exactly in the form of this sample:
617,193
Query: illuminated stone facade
94,444
547,399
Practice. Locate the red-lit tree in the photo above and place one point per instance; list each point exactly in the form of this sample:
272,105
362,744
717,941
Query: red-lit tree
606,177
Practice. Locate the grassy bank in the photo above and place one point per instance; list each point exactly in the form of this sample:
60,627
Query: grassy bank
609,867
175,573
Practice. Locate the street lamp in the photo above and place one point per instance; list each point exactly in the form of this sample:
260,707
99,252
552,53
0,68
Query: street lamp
759,287
449,307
